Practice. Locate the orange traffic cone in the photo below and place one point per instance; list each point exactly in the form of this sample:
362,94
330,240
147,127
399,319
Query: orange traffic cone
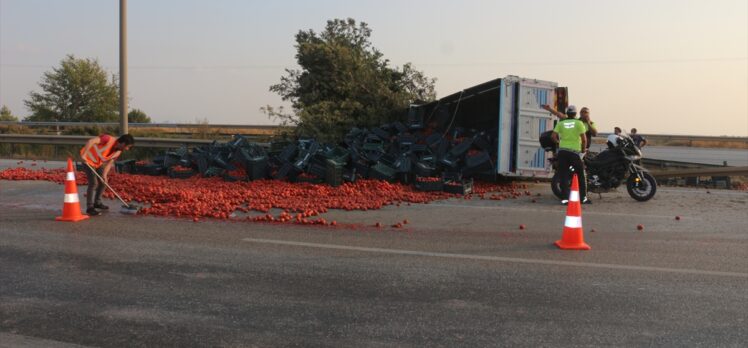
573,237
71,208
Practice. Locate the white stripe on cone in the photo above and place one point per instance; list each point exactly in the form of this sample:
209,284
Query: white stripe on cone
71,198
70,177
573,222
574,196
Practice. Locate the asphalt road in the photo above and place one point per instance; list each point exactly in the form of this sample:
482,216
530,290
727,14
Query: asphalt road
460,274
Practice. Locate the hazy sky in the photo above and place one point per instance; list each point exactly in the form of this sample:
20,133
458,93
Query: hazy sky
663,66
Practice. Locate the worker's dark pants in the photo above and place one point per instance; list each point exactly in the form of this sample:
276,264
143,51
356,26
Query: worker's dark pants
94,184
565,160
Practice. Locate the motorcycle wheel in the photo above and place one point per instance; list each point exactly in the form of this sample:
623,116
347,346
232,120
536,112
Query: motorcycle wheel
556,185
644,190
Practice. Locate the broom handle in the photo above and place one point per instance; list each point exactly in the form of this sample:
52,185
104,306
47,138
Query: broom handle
107,185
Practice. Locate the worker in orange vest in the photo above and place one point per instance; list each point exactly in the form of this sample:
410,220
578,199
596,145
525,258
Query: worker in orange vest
100,153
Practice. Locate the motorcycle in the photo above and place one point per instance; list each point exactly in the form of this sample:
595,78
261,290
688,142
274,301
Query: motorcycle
607,170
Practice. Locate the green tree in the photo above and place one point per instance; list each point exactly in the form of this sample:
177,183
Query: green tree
138,116
344,82
77,90
6,115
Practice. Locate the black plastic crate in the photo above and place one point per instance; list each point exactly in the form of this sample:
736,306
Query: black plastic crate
479,160
462,187
449,161
333,173
362,168
434,140
317,170
381,133
288,153
422,183
284,170
159,159
350,175
382,171
214,171
125,166
415,116
419,148
442,149
406,178
171,159
231,178
338,155
256,168
403,164
461,148
306,178
399,127
202,164
221,162
373,155
452,176
180,174
481,141
423,169
152,169
373,142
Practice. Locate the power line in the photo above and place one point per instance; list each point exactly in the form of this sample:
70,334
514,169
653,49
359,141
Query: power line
538,63
633,61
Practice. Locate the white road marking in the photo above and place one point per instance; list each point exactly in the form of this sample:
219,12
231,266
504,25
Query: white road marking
497,258
13,340
561,210
703,191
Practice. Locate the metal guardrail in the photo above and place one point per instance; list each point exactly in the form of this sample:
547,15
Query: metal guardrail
81,140
713,171
138,125
666,138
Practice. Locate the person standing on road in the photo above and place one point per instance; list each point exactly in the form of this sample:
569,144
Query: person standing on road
639,140
99,153
570,135
584,116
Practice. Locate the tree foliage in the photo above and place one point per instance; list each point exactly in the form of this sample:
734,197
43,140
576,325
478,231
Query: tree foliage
343,81
7,115
138,116
78,90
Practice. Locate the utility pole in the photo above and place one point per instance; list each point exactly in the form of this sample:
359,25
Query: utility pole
123,66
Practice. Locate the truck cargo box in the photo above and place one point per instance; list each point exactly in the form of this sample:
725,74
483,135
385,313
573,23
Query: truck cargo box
509,110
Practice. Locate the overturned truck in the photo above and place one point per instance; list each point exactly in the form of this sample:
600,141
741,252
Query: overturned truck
508,111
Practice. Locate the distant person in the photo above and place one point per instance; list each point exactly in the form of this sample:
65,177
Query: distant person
584,116
99,153
639,140
569,133
613,138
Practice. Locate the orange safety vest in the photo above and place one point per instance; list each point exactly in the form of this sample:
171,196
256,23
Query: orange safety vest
99,153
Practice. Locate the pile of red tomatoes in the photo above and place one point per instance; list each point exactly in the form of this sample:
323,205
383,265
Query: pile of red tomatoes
198,197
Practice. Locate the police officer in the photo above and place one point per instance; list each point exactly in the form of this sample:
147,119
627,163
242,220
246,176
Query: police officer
570,135
584,116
